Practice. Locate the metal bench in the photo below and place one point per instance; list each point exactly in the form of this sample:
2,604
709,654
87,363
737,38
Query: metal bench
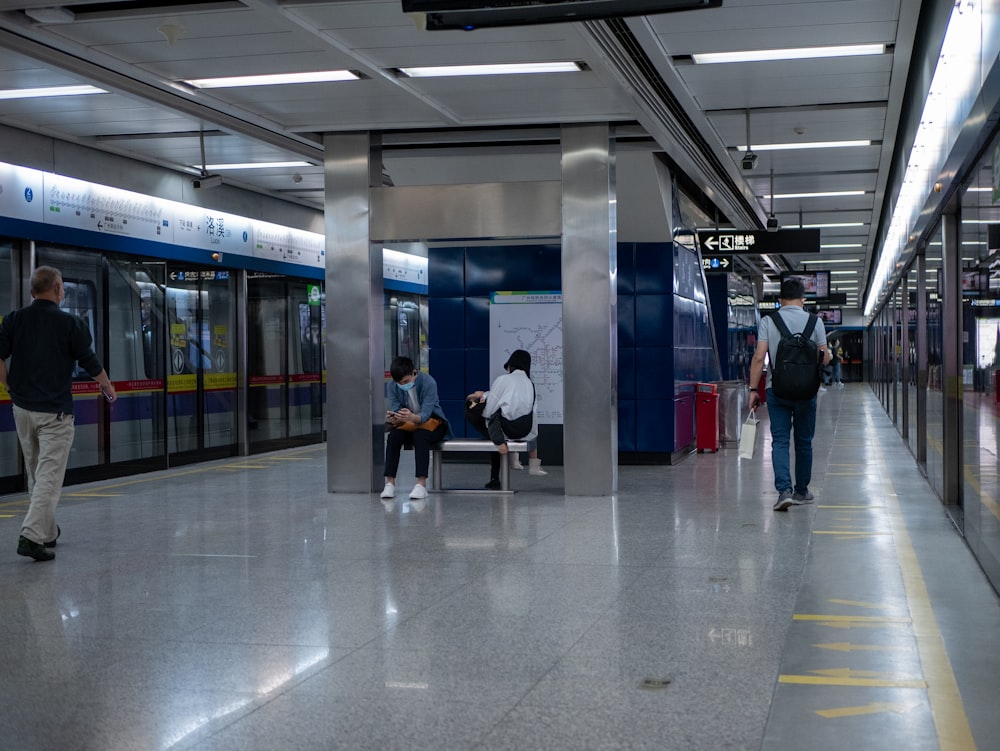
471,444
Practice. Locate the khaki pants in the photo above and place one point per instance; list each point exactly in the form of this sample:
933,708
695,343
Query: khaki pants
46,439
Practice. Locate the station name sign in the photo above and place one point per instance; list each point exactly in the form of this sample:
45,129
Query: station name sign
713,242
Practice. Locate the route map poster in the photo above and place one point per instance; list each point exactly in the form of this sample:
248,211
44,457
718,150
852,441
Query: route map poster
531,321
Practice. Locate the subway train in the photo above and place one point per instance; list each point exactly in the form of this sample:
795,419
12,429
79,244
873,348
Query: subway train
171,334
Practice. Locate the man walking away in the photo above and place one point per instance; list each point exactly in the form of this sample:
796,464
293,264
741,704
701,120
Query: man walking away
43,344
792,383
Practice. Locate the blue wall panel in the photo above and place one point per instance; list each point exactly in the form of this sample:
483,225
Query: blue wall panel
626,373
654,272
477,321
626,424
626,321
448,279
654,425
626,269
451,312
653,320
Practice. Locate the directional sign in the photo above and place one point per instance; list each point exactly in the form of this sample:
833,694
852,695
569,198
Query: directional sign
717,263
758,241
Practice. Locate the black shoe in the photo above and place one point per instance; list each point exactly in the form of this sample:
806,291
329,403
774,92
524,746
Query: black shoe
492,485
33,549
52,543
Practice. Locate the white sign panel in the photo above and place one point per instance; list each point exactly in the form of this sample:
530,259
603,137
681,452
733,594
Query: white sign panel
531,321
211,230
82,205
21,193
277,243
403,267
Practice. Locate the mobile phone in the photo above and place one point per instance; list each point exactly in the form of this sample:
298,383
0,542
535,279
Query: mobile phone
106,395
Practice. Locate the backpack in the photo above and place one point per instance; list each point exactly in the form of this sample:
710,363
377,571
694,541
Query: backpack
796,374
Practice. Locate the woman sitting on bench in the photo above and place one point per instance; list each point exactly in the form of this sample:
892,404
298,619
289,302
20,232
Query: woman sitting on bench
508,410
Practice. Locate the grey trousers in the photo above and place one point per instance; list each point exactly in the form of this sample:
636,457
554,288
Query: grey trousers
46,439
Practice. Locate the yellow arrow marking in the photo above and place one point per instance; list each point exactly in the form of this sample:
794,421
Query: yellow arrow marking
851,618
7,516
857,603
846,646
875,707
819,680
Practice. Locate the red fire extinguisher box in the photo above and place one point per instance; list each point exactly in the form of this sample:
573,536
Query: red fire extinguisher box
706,417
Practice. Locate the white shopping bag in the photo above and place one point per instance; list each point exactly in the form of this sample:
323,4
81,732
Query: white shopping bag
748,436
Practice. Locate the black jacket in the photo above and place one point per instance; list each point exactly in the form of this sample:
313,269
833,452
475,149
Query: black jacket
43,344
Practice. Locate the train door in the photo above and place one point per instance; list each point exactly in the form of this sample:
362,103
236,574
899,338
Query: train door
136,362
11,478
405,328
201,385
285,331
85,286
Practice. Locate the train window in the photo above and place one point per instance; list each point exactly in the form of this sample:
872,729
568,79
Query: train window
81,300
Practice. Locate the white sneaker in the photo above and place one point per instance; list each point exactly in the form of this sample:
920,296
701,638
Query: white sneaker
418,493
389,491
515,460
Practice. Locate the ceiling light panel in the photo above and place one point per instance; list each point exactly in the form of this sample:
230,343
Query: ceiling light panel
46,91
273,79
788,53
804,145
506,69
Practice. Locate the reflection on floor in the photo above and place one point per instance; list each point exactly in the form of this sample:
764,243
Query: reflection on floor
237,605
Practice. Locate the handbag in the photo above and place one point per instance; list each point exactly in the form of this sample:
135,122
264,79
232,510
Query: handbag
431,423
748,436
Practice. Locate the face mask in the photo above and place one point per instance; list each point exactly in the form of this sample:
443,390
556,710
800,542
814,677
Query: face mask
407,386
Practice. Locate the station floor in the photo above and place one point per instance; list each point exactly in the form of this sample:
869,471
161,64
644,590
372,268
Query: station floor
236,605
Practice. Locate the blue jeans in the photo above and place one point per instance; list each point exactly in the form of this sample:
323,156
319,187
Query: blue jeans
787,416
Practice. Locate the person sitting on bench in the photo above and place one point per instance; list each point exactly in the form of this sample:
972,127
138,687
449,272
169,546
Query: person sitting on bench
508,410
414,418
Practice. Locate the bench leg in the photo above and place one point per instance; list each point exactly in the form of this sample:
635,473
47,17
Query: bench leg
504,472
436,469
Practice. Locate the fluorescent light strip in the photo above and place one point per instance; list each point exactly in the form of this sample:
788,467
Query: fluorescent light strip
827,194
981,221
508,69
824,261
839,271
251,165
803,145
50,91
828,225
273,79
788,53
843,245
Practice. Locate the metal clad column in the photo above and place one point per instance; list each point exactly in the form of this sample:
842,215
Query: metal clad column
951,356
921,426
354,320
590,318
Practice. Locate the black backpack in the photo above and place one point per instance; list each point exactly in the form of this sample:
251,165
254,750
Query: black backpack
796,374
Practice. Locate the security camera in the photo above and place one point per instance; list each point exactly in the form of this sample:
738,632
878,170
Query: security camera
207,181
772,223
749,161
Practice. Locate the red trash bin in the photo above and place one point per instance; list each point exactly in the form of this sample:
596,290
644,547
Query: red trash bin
706,417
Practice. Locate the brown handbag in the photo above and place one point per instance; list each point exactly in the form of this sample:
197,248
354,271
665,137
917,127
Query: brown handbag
431,423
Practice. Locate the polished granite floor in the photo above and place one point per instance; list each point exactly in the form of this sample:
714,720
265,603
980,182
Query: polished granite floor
237,606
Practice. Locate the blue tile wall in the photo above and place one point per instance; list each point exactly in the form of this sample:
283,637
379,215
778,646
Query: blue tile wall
664,344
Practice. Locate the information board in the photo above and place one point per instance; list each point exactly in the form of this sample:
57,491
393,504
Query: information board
531,321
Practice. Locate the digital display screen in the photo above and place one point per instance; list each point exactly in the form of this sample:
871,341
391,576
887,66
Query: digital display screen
831,315
816,283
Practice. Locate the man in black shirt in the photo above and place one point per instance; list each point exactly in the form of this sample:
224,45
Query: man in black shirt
43,344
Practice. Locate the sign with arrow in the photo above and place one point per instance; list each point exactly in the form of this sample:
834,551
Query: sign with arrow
758,241
717,263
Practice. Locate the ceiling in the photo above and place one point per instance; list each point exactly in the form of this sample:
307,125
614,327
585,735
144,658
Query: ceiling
638,75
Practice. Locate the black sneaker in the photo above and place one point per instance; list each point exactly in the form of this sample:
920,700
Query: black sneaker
492,485
52,543
34,550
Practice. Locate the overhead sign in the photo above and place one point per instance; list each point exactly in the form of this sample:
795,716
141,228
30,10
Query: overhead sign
717,263
758,241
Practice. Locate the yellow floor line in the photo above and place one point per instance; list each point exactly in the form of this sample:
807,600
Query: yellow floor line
947,709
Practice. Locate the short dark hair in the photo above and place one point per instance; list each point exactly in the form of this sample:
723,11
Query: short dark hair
519,360
400,368
792,288
44,279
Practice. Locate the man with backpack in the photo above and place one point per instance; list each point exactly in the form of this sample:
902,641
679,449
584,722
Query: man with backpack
795,343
